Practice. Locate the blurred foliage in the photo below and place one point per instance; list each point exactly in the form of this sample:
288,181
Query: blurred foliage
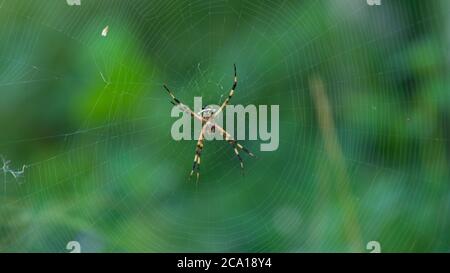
364,125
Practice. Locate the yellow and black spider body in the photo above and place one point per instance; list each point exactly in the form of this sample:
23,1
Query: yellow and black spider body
207,113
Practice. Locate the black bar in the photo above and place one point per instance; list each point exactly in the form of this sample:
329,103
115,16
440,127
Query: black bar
229,262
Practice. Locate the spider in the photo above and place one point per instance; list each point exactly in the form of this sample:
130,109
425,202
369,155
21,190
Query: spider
206,116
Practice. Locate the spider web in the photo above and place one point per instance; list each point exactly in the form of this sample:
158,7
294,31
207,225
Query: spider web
363,151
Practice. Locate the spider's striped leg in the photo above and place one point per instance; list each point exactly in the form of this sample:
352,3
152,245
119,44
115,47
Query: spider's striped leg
244,149
198,154
230,95
237,155
182,106
229,138
175,100
234,144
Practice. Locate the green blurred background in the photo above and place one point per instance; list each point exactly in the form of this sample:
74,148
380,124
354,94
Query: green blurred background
364,126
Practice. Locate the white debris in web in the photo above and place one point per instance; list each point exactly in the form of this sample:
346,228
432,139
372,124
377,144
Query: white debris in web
105,31
6,169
